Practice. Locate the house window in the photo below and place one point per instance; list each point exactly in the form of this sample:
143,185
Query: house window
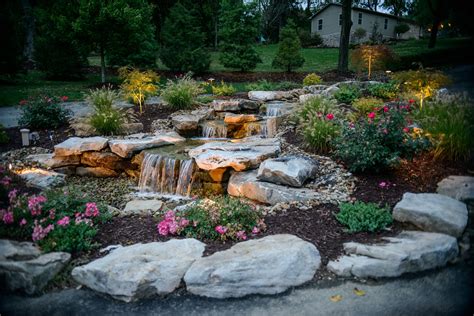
360,18
320,24
340,19
385,24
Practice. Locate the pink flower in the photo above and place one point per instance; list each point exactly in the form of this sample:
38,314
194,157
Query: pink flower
39,232
23,222
330,116
91,210
23,102
221,229
8,218
241,235
371,115
52,213
64,98
385,131
12,195
384,184
385,108
183,222
163,228
411,101
34,204
64,221
6,181
406,129
255,230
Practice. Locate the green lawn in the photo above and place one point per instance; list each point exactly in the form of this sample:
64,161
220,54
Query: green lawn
317,60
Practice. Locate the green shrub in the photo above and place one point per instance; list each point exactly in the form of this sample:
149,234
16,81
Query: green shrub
180,94
364,106
57,220
312,79
287,85
451,125
3,135
204,99
378,142
317,121
43,112
288,56
363,217
107,120
223,89
309,39
220,218
347,94
401,28
385,91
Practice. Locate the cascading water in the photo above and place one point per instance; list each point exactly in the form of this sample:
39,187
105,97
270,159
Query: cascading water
269,128
166,175
214,130
273,110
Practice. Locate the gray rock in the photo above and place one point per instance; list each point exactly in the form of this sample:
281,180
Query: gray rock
457,187
141,270
50,161
132,128
305,97
142,207
241,155
269,265
78,145
330,91
233,105
315,89
432,212
266,95
42,179
23,268
291,170
125,148
410,251
246,184
185,123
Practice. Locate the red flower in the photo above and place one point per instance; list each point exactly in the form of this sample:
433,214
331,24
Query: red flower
411,101
330,116
385,108
23,102
371,115
406,129
64,98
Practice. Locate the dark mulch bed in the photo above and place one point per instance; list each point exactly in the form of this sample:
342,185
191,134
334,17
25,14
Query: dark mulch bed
59,135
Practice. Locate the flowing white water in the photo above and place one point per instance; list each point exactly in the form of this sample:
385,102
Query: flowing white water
166,175
214,130
273,109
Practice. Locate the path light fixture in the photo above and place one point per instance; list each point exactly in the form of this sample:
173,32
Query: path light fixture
25,137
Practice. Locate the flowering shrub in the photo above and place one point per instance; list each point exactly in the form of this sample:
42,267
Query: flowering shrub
56,220
312,79
379,140
223,218
363,217
364,106
43,112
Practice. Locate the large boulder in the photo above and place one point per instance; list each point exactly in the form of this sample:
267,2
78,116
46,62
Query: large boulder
185,123
266,95
233,105
290,170
241,155
51,161
104,159
141,270
246,184
231,118
42,179
410,251
78,145
269,265
457,187
432,212
125,148
142,207
25,269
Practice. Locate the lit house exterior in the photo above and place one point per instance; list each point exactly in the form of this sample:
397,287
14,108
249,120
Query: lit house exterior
327,23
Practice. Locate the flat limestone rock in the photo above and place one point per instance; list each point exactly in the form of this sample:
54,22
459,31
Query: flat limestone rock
269,265
42,179
246,184
242,155
51,161
432,212
291,170
142,207
25,269
125,148
410,251
457,187
104,159
78,145
233,105
140,270
98,172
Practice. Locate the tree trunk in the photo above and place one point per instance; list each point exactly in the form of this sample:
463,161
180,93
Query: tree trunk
102,64
343,63
29,29
434,32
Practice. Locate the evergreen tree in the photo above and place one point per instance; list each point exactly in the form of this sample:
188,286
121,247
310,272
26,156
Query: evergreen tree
183,41
11,37
119,30
288,56
238,31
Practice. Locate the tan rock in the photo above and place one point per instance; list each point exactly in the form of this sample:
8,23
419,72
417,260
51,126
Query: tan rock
78,145
231,118
50,161
99,172
104,159
218,175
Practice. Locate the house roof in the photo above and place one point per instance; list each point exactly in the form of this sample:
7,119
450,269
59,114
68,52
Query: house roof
363,10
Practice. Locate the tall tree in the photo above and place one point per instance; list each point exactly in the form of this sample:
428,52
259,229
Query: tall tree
238,33
118,28
11,36
397,7
183,41
343,62
288,56
432,13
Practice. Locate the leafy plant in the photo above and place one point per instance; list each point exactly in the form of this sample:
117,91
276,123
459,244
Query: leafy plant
204,99
359,34
309,39
422,83
312,79
3,135
43,112
107,120
138,85
223,89
180,94
385,91
363,217
371,57
347,94
364,106
220,218
288,56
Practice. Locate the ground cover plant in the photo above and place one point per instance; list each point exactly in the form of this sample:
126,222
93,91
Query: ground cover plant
347,94
360,217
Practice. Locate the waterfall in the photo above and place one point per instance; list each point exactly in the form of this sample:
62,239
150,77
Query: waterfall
166,175
214,130
273,110
270,128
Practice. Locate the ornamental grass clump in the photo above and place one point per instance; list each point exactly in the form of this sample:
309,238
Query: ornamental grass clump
107,119
222,218
364,217
182,93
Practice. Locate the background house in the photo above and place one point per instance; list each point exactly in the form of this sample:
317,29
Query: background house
327,23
